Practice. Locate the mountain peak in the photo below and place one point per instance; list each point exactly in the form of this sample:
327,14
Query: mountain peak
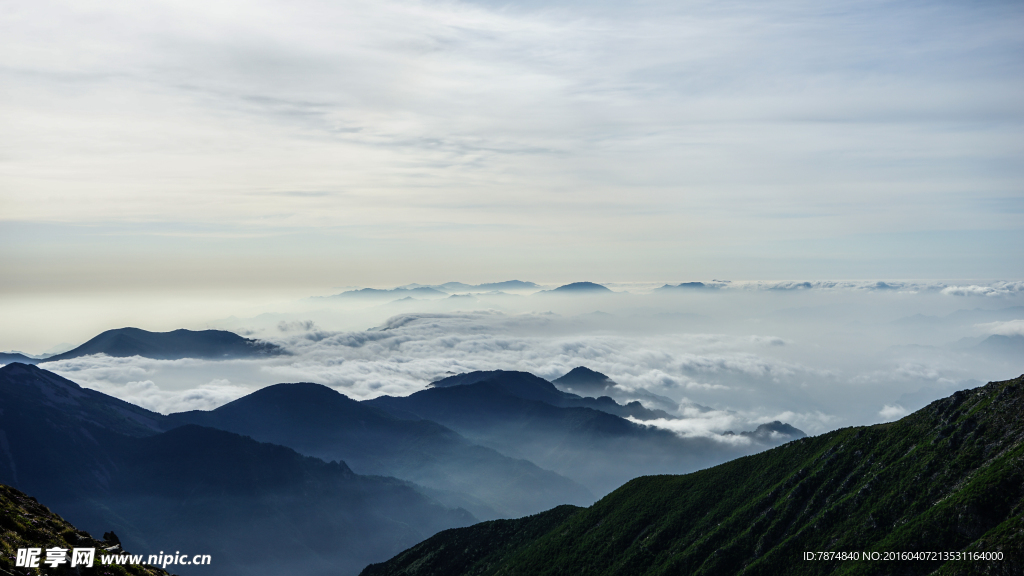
775,429
20,368
582,287
466,378
173,345
307,389
303,402
50,386
520,384
296,392
583,378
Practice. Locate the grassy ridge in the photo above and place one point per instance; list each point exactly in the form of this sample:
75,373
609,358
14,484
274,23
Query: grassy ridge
949,477
25,523
478,550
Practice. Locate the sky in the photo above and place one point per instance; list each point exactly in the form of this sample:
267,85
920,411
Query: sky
218,164
298,146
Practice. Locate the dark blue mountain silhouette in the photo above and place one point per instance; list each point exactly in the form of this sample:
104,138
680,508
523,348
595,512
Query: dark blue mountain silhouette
8,357
257,508
586,382
174,345
685,286
582,378
527,386
318,421
522,415
581,287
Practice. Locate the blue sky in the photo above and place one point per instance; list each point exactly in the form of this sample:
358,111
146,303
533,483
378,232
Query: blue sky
312,144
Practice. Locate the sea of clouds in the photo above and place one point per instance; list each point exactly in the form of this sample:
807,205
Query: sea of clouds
818,355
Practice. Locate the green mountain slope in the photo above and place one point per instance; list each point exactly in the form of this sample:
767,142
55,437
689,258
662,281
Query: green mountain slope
948,478
25,523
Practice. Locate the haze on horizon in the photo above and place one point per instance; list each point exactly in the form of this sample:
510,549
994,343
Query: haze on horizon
728,356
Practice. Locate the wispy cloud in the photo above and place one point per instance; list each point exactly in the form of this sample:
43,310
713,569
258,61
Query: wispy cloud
149,395
639,132
997,289
1007,328
893,412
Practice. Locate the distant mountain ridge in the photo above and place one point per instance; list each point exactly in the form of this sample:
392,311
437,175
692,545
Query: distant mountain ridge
964,316
584,379
586,382
1012,345
524,416
491,286
774,429
173,345
948,478
495,443
527,386
687,286
318,421
8,357
395,293
581,287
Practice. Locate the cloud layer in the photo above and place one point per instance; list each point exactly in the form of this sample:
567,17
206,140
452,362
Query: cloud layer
722,360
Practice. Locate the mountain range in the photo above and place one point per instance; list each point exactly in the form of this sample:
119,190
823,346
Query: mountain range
301,467
510,285
394,293
8,357
524,416
257,508
318,421
687,286
449,288
1011,346
946,479
301,477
